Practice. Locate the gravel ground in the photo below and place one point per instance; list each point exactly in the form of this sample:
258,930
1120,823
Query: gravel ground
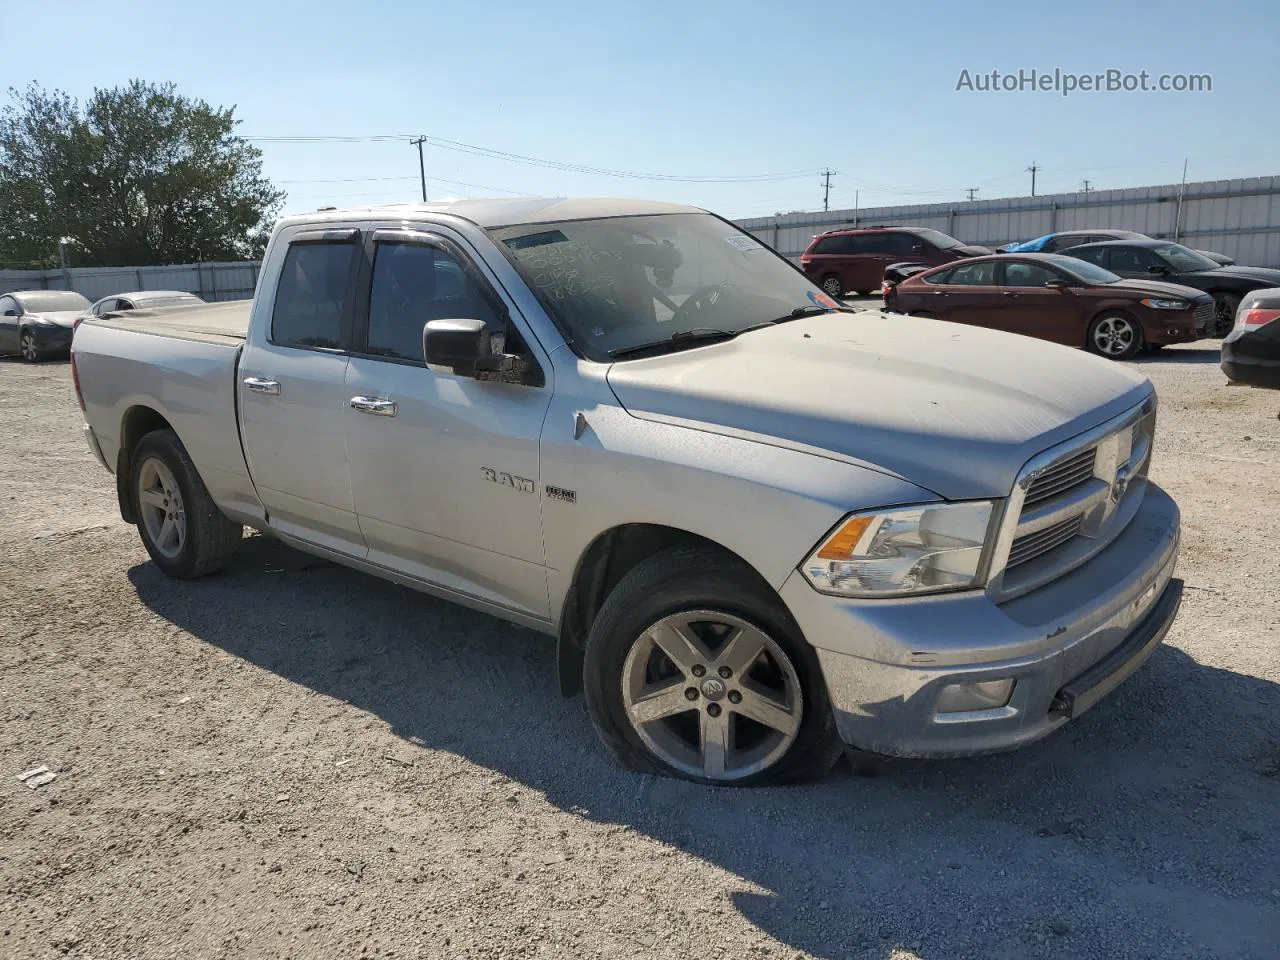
295,760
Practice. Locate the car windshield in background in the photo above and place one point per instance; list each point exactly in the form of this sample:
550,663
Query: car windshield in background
1184,259
52,301
621,283
939,239
1083,270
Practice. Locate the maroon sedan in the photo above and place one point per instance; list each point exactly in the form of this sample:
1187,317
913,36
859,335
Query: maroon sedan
1058,298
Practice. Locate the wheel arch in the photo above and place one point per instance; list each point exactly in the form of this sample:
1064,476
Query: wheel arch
137,422
606,560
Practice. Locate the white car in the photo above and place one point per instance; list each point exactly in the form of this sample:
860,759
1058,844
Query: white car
144,300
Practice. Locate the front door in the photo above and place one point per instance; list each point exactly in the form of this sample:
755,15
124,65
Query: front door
970,293
1028,307
291,393
444,468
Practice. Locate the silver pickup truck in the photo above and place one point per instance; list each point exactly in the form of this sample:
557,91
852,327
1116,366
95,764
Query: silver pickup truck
761,525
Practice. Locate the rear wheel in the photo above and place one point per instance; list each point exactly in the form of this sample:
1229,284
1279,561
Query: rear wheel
832,285
182,528
695,670
864,293
1224,313
1116,336
28,347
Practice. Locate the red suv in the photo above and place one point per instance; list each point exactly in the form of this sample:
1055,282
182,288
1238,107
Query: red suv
844,260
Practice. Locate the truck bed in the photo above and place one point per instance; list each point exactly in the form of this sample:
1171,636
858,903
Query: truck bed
216,322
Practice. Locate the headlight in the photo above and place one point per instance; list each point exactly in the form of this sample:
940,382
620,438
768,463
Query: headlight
1155,303
924,549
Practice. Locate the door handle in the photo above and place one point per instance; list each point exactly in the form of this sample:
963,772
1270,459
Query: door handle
260,385
374,406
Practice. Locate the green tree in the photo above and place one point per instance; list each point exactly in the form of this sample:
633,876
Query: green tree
139,175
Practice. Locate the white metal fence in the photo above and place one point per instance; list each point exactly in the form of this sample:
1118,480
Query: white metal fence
1240,218
210,281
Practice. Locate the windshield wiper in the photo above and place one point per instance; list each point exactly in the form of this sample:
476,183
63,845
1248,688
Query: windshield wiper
679,339
809,311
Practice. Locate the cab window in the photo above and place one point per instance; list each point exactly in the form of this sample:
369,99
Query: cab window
414,283
311,295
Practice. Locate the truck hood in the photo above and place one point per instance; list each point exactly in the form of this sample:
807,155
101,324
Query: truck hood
955,409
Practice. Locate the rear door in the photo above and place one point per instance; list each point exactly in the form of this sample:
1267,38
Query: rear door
291,393
1028,307
971,294
444,468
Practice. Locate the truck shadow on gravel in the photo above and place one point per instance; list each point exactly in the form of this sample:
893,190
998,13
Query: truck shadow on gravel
1185,355
1146,828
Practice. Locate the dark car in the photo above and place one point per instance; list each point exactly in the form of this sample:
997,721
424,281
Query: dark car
37,323
855,259
1178,264
1056,297
1251,351
1066,239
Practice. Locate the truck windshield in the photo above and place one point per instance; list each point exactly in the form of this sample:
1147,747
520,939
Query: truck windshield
617,283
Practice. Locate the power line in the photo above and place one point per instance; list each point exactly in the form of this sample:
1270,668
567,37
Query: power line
564,165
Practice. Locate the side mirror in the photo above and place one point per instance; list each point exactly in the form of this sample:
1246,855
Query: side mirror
466,348
1157,270
1057,284
11,313
455,345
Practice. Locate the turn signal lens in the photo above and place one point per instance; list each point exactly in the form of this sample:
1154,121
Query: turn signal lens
843,542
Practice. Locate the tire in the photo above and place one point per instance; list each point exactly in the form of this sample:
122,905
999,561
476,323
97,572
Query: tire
186,535
1114,335
685,591
864,293
1224,313
832,285
28,346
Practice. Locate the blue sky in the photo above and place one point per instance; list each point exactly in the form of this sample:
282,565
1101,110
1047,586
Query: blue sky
689,89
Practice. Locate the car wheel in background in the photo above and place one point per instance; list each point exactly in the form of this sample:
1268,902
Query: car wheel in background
864,293
832,285
28,347
1224,313
695,669
1116,336
180,525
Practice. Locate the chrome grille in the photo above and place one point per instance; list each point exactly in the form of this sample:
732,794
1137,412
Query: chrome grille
1071,501
1061,477
1203,316
1042,541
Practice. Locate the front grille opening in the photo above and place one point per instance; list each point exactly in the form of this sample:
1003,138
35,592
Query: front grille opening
1061,477
1032,545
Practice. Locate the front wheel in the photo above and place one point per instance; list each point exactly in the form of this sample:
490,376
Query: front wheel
694,669
28,347
1116,336
180,525
1225,306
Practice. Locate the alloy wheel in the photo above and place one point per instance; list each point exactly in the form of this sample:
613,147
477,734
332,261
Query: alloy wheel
832,286
712,695
30,352
160,503
1114,335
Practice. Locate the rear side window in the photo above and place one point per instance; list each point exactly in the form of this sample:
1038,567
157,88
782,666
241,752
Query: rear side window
839,244
974,274
311,295
414,283
1026,275
1098,255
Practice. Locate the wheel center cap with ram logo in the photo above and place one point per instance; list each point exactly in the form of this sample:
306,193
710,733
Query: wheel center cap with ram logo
712,688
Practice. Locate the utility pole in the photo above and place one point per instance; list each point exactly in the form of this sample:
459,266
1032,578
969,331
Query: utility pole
422,166
1033,168
1085,185
826,190
971,191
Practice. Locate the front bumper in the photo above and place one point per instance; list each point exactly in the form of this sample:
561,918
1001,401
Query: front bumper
1064,645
